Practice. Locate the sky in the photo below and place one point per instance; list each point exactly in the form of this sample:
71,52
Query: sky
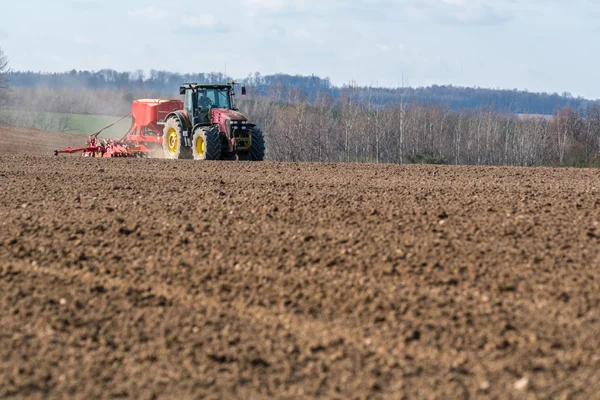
535,45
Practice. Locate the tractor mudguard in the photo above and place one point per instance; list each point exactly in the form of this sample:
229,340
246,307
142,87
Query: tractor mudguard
183,118
200,126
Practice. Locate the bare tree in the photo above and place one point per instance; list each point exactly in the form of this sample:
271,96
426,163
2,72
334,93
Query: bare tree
3,68
3,81
565,129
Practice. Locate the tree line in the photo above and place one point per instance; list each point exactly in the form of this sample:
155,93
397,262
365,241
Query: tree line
347,130
350,131
287,88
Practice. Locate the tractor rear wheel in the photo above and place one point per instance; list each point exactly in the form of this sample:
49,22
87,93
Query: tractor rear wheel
206,144
173,145
257,149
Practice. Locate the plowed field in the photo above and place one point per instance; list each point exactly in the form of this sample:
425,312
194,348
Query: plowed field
181,279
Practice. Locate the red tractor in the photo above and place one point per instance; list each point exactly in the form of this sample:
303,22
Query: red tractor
209,127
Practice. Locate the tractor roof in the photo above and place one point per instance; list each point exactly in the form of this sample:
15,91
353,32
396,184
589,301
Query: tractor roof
195,86
204,86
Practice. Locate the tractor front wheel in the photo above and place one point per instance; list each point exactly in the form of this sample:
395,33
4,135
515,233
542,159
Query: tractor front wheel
206,144
173,146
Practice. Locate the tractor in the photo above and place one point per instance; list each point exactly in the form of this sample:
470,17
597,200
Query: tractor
209,127
205,126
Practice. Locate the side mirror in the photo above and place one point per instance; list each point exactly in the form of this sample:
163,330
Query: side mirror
243,90
182,90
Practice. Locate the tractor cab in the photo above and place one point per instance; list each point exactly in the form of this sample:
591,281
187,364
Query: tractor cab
200,99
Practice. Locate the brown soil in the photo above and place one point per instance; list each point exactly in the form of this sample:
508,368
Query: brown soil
20,141
182,279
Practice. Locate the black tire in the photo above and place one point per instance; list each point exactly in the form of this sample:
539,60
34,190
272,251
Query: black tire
173,145
206,144
228,156
257,149
243,156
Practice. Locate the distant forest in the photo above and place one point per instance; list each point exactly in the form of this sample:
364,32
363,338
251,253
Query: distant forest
309,89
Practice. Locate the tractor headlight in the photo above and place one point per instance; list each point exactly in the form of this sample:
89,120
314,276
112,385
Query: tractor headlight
244,122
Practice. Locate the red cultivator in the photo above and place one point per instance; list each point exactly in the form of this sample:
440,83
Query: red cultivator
145,132
106,148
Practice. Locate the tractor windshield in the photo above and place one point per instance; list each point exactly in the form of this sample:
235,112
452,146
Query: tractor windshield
214,98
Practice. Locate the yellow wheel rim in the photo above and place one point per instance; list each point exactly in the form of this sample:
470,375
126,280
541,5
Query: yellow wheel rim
200,146
172,141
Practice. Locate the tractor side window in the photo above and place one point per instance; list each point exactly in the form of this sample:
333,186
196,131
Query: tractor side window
223,99
189,100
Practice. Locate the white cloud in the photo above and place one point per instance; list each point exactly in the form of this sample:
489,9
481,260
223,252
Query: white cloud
267,5
186,23
150,14
302,34
289,7
199,21
82,40
481,12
